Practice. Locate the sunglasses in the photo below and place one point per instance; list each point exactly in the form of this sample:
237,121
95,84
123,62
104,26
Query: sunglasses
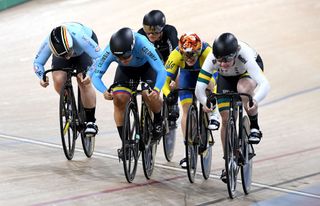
228,58
124,56
190,55
153,33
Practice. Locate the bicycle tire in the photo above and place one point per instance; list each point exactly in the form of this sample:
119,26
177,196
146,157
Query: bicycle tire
246,169
130,141
67,116
88,143
191,143
150,148
169,138
206,155
230,158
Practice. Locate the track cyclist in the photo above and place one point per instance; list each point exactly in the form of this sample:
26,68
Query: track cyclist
240,69
188,57
165,39
73,45
137,60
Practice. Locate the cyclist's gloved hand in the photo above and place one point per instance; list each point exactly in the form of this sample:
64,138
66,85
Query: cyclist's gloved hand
108,95
154,95
253,107
44,83
172,85
86,80
206,109
209,107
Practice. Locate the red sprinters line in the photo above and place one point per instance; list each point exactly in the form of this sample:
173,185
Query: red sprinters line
133,185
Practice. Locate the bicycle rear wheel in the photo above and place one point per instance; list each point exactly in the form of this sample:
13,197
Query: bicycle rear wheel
191,143
206,143
87,142
149,153
169,137
68,125
130,142
231,165
247,151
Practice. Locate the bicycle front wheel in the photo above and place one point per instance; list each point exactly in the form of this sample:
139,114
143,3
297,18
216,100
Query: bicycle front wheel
191,143
231,165
247,151
130,141
68,124
149,153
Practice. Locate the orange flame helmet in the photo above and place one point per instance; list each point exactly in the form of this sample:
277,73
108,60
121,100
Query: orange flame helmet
190,43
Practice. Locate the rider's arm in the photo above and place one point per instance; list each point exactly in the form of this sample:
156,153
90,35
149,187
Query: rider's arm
257,74
101,67
41,58
172,64
204,79
90,47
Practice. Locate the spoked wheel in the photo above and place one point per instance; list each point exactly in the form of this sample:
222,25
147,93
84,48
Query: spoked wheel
231,165
191,143
207,142
130,142
169,138
87,142
68,125
149,154
248,153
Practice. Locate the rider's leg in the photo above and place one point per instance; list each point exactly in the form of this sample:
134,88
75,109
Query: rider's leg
247,85
185,109
88,98
120,100
224,116
59,78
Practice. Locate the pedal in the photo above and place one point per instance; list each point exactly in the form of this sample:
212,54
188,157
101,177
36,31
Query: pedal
202,149
241,159
251,155
120,155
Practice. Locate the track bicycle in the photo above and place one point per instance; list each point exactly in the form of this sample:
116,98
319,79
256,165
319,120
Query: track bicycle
137,133
198,139
238,151
72,117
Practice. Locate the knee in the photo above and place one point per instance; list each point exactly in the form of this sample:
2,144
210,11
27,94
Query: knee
224,118
120,100
244,89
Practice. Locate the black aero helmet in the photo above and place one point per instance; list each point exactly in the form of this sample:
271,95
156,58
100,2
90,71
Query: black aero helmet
154,21
226,45
122,42
60,41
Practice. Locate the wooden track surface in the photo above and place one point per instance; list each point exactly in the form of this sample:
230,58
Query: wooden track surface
34,171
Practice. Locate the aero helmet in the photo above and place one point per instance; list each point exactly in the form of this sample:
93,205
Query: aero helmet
122,43
190,45
225,47
60,41
154,21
